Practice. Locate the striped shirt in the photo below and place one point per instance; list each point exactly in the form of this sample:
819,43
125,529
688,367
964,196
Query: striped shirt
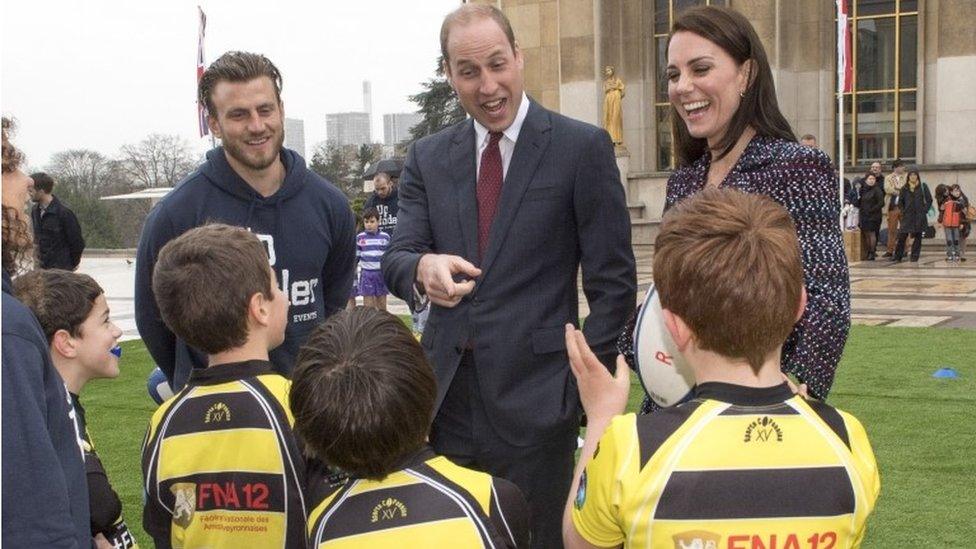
429,502
736,467
370,248
220,463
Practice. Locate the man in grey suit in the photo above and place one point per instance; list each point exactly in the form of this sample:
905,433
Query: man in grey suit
497,215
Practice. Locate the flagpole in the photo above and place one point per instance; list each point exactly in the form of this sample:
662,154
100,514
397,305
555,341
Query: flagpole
841,88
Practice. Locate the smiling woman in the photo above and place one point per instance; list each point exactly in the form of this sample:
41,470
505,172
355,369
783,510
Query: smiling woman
729,132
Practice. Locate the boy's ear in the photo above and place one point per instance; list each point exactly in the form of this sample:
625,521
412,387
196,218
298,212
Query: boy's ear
259,309
680,332
803,303
64,344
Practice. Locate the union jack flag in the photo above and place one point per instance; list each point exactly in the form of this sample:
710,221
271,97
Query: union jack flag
845,69
201,108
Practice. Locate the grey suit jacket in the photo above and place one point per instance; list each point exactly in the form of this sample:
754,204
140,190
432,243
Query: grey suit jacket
562,208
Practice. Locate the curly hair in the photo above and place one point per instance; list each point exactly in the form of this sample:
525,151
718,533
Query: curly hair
16,232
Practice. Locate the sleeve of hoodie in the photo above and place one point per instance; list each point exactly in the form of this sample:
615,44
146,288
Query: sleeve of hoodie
36,508
156,232
338,271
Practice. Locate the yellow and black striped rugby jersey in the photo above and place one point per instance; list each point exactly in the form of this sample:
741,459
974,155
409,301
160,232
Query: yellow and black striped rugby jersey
221,465
429,502
734,468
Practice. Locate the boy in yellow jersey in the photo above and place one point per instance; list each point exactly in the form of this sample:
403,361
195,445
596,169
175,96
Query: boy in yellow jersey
363,398
72,310
220,463
746,463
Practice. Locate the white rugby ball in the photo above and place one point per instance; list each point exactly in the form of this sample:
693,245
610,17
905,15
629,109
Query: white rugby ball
662,370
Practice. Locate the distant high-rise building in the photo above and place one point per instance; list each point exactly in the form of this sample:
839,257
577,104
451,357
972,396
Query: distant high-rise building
348,128
367,97
396,126
295,135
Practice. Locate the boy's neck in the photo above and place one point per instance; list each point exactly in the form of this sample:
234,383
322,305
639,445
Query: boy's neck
253,349
709,366
70,373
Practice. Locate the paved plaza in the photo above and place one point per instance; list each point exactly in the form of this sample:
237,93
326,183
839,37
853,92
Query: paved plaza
930,293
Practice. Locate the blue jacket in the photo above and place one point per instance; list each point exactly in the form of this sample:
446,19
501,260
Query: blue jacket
307,227
45,494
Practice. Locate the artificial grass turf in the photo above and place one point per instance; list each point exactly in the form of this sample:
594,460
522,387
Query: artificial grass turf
923,430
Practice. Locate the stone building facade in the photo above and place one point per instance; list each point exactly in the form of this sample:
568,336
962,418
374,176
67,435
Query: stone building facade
915,72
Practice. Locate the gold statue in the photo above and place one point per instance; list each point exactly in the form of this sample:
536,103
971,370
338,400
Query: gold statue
613,117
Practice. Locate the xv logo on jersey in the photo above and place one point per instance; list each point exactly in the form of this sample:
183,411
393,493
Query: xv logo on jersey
763,429
389,508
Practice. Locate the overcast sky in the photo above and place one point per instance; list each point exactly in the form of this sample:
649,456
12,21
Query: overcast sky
99,74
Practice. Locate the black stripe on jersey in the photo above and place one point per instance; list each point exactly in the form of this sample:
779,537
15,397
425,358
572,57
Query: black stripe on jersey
385,508
772,410
832,418
756,493
486,529
654,429
218,412
235,491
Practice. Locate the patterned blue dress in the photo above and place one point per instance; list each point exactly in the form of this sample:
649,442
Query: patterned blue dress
803,180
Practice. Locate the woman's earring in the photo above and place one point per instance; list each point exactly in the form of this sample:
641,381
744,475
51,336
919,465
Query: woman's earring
742,93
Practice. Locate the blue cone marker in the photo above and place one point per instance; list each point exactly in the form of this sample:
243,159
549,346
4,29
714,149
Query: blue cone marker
946,373
117,351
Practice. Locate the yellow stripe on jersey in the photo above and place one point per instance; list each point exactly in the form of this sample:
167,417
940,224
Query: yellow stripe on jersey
251,450
456,533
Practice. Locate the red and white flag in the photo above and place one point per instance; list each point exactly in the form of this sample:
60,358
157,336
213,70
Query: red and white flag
845,69
201,108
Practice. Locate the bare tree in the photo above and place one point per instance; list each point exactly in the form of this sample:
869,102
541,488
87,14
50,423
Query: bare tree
83,171
157,161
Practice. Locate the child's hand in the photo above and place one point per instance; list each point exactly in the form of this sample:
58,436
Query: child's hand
603,395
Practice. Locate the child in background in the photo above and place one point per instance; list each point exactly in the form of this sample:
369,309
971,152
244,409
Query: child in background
363,400
74,315
370,246
221,466
951,212
745,461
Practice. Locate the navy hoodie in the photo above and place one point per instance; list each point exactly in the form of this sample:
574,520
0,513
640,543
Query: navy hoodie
45,493
307,227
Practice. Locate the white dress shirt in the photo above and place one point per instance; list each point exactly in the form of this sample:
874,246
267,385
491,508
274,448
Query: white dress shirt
506,145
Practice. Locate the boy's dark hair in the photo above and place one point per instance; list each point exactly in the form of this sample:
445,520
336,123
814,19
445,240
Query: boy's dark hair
371,212
61,300
43,181
363,392
897,163
204,281
728,263
236,66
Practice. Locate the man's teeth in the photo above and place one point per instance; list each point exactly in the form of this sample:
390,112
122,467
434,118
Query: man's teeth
696,105
258,141
492,105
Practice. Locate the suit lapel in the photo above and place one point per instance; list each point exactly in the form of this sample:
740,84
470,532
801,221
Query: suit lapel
533,140
462,162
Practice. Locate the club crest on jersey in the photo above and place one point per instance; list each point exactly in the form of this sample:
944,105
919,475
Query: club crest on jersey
388,509
184,505
763,429
580,492
216,413
696,539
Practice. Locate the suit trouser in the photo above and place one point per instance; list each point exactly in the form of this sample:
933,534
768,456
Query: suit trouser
893,217
543,472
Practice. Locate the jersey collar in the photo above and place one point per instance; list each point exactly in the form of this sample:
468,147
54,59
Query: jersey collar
740,395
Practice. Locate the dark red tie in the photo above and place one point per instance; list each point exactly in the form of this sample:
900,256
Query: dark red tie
490,179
